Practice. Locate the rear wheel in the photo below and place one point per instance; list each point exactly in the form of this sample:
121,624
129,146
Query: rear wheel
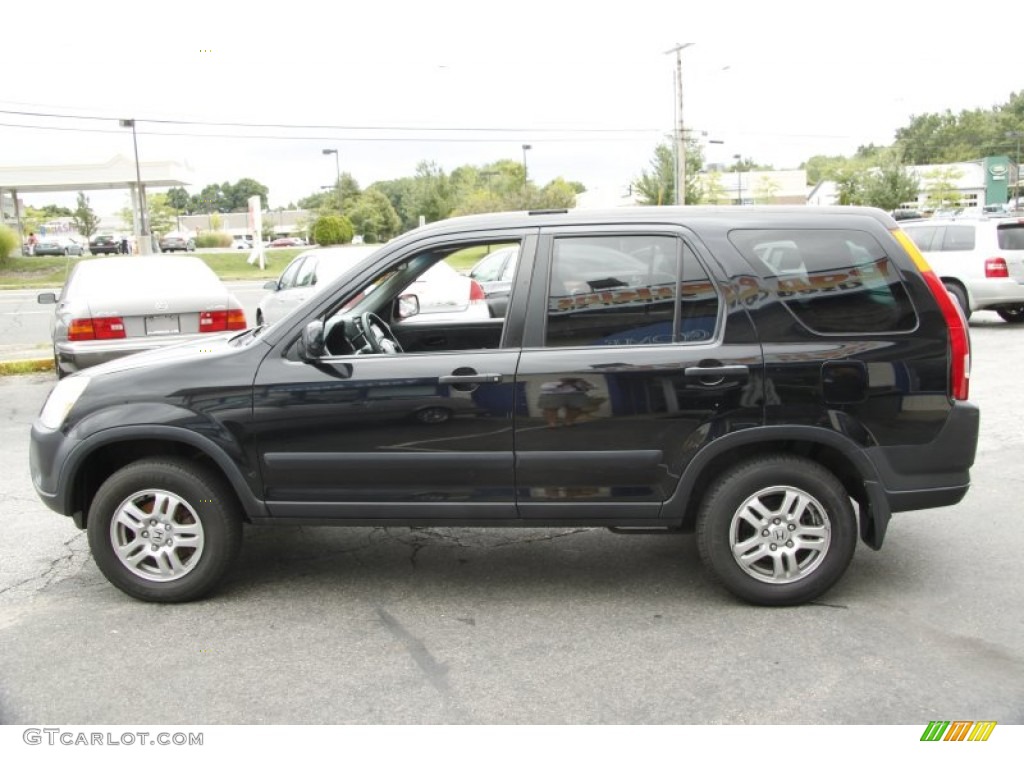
164,530
960,295
777,530
1012,314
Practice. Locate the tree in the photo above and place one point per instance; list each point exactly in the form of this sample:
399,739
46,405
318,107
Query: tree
85,216
210,200
713,191
559,193
657,187
236,196
890,185
179,200
941,188
373,217
332,230
765,190
850,184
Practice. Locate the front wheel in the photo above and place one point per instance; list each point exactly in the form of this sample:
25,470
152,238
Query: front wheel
777,530
164,530
1012,314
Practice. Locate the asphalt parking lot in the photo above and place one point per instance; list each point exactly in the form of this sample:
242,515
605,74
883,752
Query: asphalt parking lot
320,625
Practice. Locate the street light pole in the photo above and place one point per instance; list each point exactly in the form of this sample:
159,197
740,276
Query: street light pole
144,244
526,172
680,189
337,175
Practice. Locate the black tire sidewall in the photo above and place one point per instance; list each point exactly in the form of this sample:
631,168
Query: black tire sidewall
733,487
213,504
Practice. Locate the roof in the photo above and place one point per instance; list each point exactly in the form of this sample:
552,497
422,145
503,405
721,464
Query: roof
117,173
744,215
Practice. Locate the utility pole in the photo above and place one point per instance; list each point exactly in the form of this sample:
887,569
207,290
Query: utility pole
680,189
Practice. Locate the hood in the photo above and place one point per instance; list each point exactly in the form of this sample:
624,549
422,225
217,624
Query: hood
214,346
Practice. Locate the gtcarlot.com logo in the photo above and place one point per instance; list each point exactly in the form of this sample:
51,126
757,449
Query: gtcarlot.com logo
958,730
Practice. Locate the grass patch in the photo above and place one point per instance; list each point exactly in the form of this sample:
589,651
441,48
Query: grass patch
15,367
52,271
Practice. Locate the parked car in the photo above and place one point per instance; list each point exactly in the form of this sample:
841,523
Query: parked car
105,243
979,259
653,373
110,308
287,242
241,244
494,273
440,293
305,274
178,241
57,246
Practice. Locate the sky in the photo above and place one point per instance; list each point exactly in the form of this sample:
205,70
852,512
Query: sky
588,86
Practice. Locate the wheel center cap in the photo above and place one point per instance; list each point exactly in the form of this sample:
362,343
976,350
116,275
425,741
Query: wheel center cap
779,533
157,535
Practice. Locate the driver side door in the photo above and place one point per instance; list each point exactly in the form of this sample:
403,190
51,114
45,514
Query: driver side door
424,434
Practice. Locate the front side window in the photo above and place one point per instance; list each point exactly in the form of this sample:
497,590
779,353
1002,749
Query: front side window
288,278
833,281
623,290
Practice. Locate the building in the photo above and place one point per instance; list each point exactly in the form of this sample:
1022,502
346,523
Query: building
988,181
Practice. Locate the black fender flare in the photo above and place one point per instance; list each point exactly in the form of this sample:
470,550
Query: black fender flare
874,519
254,507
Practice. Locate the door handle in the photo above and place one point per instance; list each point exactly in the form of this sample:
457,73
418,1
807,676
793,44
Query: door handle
471,378
715,374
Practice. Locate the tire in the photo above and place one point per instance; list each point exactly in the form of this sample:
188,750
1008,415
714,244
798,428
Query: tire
820,534
1012,314
960,295
196,535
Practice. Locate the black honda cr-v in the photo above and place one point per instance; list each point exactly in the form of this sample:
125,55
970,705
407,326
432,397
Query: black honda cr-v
779,381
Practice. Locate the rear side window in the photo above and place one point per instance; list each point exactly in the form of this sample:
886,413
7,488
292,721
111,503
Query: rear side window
923,237
833,281
1011,237
958,238
637,289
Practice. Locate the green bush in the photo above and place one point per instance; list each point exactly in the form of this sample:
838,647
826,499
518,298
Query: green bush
213,240
332,230
8,242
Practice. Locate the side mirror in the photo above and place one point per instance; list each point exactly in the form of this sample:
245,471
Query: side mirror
408,306
311,343
46,298
270,285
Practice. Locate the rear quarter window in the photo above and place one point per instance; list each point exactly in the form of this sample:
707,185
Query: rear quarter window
1010,237
833,281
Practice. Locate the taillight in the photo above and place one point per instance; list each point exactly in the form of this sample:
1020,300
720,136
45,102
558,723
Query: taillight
956,323
996,267
95,329
221,320
476,291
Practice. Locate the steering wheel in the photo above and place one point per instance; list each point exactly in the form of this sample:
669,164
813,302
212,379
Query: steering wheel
378,335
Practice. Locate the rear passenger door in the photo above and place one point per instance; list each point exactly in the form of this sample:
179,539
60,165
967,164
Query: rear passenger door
632,360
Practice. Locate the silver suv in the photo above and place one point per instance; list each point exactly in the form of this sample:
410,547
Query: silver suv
980,260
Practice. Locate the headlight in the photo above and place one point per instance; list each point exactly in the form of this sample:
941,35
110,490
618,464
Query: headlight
61,400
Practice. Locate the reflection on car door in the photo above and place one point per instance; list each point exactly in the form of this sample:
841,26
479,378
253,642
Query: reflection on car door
627,369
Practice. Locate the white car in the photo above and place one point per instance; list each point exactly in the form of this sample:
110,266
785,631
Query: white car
304,275
980,260
441,292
